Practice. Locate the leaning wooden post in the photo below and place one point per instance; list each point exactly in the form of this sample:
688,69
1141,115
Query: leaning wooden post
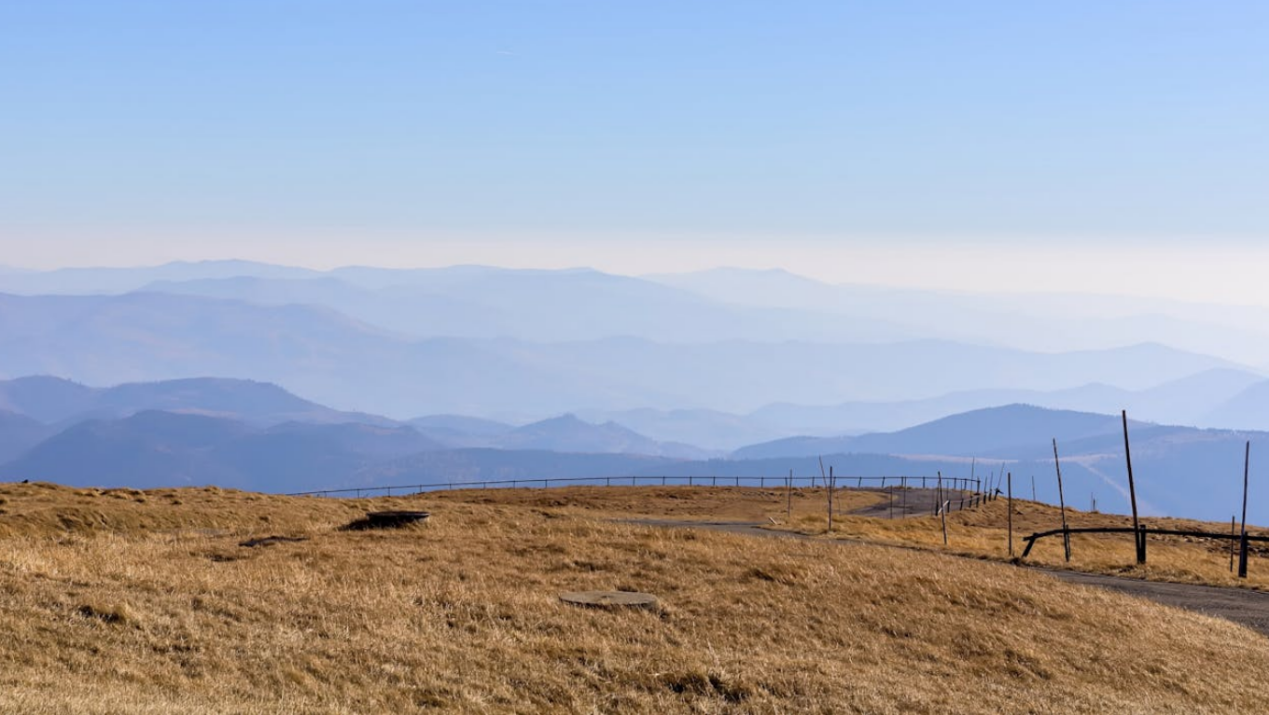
1138,537
1066,534
1009,487
1242,541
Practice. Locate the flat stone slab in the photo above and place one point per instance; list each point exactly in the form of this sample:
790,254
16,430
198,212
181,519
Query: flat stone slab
610,599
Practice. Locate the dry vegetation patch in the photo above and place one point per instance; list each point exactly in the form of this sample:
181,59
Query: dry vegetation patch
983,532
673,502
463,614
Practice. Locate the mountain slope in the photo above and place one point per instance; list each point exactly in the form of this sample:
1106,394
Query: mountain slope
997,431
153,449
567,433
54,400
18,433
339,361
1249,409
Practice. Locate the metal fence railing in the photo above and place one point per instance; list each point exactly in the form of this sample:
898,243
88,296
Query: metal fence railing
950,484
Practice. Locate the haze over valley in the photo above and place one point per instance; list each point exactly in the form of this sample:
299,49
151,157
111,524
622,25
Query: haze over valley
282,379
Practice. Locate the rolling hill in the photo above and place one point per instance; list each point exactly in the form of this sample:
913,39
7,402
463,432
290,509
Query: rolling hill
154,448
18,433
54,400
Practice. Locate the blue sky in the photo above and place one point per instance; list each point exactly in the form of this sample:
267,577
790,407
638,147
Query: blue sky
215,127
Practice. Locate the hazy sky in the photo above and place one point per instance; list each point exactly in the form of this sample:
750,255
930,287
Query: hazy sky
1085,145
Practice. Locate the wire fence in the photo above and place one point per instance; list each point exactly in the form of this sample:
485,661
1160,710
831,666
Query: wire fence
958,492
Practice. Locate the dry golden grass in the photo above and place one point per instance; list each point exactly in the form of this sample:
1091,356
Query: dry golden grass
983,532
152,607
674,502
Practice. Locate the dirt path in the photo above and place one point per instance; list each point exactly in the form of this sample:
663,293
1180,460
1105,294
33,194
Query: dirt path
1246,607
902,503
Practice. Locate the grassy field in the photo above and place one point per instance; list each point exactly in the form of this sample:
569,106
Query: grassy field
123,601
978,532
983,532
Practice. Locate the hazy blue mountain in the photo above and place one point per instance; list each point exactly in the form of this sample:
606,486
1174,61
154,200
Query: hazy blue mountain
997,431
149,449
723,376
1248,409
347,364
724,304
567,433
86,281
475,302
54,400
1188,401
709,429
154,449
18,433
1040,322
45,398
420,313
459,430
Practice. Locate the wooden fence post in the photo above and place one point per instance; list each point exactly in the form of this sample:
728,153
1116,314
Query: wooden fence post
789,508
1233,534
1066,534
942,509
1132,492
1242,541
1009,486
831,482
973,466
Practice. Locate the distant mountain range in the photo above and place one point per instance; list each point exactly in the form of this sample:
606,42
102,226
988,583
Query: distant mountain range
247,434
340,361
486,371
54,400
1181,470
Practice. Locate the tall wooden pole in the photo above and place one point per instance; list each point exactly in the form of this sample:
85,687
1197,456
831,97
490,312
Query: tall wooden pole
1066,535
1138,537
789,508
942,509
1033,497
1242,540
830,499
1009,487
